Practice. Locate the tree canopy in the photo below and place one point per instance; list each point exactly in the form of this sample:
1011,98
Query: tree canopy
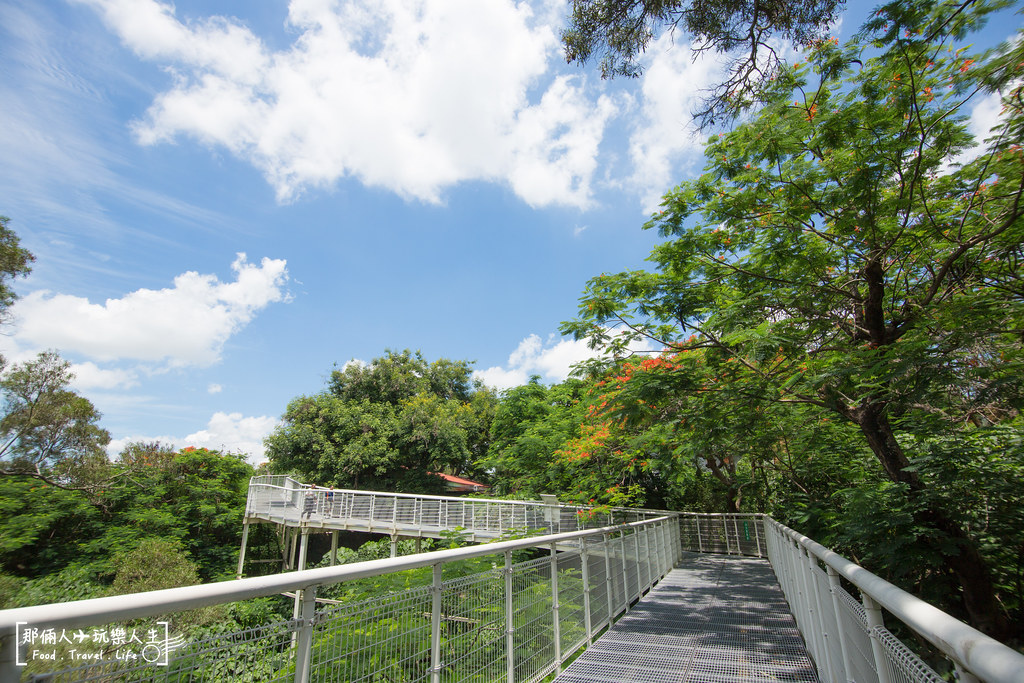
15,262
391,425
48,431
752,31
839,253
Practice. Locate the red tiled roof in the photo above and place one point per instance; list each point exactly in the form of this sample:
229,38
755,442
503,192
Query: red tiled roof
459,480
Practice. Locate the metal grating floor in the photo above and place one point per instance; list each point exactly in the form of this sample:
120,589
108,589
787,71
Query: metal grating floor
713,619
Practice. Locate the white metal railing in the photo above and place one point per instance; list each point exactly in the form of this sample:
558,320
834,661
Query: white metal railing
730,534
521,620
287,501
517,622
847,636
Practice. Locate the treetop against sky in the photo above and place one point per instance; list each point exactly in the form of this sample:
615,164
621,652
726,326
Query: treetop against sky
224,200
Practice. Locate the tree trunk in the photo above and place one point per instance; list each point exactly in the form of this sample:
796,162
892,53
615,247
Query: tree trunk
970,568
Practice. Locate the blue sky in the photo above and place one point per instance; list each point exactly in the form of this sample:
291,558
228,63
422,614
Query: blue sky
226,198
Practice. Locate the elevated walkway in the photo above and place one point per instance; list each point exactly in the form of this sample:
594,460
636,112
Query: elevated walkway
712,619
644,597
283,500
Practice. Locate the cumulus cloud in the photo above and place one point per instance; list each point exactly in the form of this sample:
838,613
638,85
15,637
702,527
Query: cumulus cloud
408,95
673,86
551,359
187,324
234,432
90,376
227,432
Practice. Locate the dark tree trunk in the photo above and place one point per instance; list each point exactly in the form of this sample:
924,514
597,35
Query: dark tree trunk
970,568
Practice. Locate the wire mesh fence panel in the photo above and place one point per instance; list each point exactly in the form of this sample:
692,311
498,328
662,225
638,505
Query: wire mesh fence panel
407,511
749,536
571,608
383,508
430,514
533,635
597,577
713,535
360,506
632,573
904,666
853,624
138,653
647,550
380,639
613,548
473,645
832,658
730,534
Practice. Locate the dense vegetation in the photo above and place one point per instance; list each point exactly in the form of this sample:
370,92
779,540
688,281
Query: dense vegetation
839,311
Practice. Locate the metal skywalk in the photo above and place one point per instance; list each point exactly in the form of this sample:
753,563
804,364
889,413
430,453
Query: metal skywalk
627,590
712,619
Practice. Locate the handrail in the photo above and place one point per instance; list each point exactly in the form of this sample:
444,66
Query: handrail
848,640
640,552
139,605
466,499
978,653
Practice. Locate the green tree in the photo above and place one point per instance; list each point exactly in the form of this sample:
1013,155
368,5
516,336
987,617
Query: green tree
531,423
390,425
14,262
621,30
847,263
48,431
195,497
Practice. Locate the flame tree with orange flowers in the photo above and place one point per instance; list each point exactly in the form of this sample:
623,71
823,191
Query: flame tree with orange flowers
852,252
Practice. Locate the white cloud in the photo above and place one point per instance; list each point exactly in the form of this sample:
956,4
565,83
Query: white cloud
552,360
236,433
672,87
90,376
187,324
408,95
214,389
227,432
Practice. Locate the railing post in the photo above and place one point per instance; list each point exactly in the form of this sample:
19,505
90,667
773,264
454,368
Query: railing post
435,625
585,566
651,546
299,594
736,532
636,555
241,552
834,587
665,549
9,669
963,675
810,618
758,521
557,634
823,634
700,541
304,639
875,620
510,624
670,546
656,555
625,573
609,584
